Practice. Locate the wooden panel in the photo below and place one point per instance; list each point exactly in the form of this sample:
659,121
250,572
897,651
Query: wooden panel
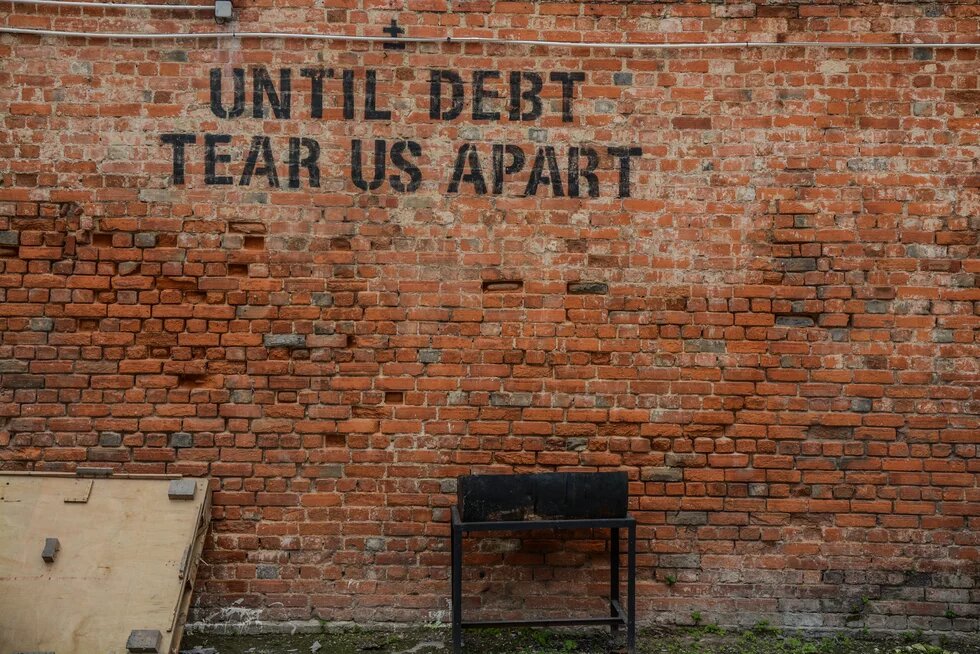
122,565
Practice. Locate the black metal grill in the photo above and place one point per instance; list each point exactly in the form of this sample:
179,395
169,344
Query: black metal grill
551,501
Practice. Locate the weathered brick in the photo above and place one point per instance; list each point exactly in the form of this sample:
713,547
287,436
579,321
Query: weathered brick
181,439
861,405
780,352
12,365
110,439
429,356
284,340
687,518
41,324
661,474
334,470
588,288
23,381
687,460
174,55
877,306
622,79
511,399
799,264
128,267
794,321
705,345
680,560
145,240
830,432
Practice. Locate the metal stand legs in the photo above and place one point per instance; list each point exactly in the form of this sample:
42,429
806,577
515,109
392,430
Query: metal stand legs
457,581
615,608
631,591
617,616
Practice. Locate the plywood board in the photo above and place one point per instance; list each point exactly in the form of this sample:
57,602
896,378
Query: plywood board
127,559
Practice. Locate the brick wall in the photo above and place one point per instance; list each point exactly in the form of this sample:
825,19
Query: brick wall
774,330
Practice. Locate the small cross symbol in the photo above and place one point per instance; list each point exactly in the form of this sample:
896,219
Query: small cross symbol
394,30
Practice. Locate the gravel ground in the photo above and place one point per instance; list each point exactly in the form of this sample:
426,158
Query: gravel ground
761,639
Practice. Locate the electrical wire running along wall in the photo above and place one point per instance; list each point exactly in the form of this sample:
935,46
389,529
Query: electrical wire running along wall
334,274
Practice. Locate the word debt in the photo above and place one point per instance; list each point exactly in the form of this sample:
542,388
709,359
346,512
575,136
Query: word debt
478,168
490,94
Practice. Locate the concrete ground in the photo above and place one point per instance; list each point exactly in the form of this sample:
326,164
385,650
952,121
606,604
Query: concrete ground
709,639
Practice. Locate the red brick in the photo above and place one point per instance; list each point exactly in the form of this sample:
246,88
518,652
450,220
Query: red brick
787,318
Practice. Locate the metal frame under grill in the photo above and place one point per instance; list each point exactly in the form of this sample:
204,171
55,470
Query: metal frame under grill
618,615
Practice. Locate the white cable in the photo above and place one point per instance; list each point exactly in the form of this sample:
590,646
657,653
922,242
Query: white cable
138,36
111,5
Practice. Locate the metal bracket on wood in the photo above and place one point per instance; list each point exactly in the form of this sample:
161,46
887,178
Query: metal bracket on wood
144,640
182,489
185,562
51,547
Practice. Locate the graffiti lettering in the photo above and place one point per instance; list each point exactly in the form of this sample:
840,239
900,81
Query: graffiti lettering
556,169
